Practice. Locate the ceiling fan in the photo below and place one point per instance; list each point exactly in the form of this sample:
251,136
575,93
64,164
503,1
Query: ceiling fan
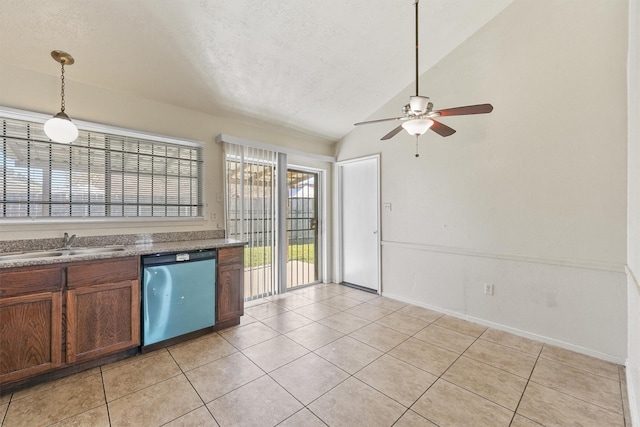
419,115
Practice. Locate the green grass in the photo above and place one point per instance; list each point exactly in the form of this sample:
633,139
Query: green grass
304,253
261,255
255,257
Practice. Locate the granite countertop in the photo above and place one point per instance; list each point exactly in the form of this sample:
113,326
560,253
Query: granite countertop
137,249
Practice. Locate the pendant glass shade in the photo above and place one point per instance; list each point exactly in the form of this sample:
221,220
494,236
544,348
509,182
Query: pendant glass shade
61,129
417,127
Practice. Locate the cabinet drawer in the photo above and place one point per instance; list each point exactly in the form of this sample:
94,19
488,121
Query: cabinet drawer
29,280
103,271
231,255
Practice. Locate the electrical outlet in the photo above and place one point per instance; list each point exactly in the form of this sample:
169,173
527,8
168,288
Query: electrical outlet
387,207
488,289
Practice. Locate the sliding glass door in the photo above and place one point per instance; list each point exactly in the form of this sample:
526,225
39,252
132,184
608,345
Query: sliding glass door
275,210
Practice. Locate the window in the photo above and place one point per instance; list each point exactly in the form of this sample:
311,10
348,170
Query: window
105,175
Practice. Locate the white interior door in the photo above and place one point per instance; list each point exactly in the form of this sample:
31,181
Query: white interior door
359,222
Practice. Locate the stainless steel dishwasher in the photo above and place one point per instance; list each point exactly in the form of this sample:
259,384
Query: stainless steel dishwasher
178,295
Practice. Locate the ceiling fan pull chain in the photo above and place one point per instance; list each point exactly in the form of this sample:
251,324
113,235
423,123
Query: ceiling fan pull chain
417,154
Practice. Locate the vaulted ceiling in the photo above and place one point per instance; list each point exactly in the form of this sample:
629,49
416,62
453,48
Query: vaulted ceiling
314,65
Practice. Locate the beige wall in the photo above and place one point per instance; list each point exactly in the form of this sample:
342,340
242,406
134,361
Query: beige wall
28,90
530,198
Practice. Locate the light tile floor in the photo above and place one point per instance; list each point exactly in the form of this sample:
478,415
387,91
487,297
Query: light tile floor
332,355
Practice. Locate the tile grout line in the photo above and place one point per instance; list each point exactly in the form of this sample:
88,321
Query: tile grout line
442,374
567,365
192,386
104,392
14,401
4,416
515,412
370,363
268,374
328,361
431,385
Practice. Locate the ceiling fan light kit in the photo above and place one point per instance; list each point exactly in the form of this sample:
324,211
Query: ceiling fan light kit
60,128
417,127
418,115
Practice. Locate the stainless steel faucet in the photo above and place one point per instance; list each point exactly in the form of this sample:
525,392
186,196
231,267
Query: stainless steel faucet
68,241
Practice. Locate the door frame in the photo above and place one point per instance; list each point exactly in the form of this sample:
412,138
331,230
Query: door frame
321,235
321,243
338,257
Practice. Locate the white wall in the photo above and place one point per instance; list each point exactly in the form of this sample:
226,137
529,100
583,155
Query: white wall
531,197
28,90
633,230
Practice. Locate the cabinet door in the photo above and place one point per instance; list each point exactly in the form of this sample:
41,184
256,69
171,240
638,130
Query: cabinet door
230,292
30,335
102,319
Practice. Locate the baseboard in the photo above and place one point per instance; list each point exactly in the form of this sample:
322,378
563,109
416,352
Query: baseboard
632,397
547,340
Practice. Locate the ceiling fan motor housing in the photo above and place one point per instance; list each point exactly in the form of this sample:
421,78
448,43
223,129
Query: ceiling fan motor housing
418,104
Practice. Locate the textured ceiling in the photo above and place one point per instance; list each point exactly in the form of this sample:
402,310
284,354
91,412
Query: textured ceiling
314,65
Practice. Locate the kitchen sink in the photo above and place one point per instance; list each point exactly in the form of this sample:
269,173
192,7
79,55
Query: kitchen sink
28,255
97,250
59,252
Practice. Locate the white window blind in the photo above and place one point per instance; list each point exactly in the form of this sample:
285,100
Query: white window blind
98,175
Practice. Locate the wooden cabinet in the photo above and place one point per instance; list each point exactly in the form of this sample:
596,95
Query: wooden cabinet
230,285
58,318
30,322
52,317
103,308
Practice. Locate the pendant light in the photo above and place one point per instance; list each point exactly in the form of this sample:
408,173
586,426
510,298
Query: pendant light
60,128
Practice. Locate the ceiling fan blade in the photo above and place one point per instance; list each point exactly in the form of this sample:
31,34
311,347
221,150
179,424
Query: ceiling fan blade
393,133
442,129
379,120
464,111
